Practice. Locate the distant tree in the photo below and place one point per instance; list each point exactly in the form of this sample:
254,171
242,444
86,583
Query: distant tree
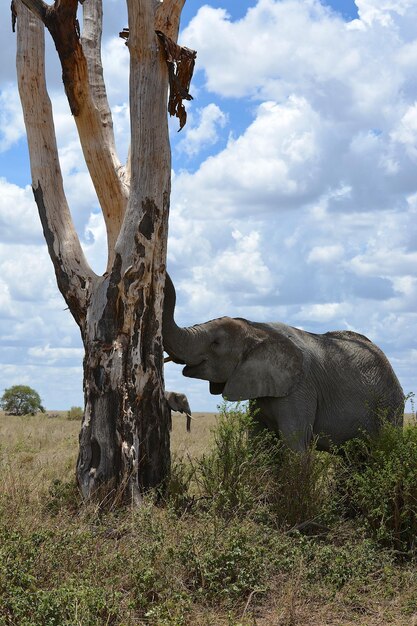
21,400
75,413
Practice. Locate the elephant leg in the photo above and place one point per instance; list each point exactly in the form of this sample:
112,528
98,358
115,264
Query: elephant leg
296,425
297,434
292,418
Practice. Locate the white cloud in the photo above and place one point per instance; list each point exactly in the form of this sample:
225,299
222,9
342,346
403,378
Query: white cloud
307,213
12,127
115,57
244,263
275,159
325,254
406,131
236,271
382,11
27,272
95,247
322,312
283,47
211,118
49,355
6,306
19,220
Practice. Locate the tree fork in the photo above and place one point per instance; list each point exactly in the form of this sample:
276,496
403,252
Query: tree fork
124,438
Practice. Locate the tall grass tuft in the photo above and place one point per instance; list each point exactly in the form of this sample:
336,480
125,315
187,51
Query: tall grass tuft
379,482
235,474
253,473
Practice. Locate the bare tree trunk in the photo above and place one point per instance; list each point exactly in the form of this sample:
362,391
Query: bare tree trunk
124,438
125,432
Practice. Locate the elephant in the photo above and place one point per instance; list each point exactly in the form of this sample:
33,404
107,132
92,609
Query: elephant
329,387
179,402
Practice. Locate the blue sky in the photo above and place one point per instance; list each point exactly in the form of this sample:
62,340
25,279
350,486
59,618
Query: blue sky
294,184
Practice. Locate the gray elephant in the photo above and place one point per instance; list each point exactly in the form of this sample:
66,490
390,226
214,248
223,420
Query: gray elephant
330,387
179,402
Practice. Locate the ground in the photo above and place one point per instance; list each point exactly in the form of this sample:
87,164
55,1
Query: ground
59,555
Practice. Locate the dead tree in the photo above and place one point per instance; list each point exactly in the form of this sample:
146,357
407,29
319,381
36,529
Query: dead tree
124,438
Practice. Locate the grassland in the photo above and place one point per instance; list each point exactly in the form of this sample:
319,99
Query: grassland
219,551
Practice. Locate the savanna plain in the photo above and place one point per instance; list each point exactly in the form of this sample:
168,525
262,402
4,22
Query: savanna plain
248,533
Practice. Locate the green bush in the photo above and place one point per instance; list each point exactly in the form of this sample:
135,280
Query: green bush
252,472
379,482
21,400
231,531
303,493
62,496
334,564
30,598
223,561
235,475
63,606
178,494
75,413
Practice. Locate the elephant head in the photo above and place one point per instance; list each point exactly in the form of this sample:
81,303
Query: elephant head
240,359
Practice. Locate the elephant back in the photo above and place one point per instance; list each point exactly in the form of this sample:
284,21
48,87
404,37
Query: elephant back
349,335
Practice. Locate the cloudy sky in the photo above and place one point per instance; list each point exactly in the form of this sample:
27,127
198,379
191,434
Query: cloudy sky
294,184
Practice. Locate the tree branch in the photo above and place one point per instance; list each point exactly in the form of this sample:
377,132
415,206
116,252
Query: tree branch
37,7
96,138
72,270
180,60
142,241
168,14
167,19
148,118
91,44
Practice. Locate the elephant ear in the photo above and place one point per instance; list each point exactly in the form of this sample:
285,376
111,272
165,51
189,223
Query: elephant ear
273,368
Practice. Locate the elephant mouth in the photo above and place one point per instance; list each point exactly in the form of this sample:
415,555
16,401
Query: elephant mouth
194,371
216,389
200,371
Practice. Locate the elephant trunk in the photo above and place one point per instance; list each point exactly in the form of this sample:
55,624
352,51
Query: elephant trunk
180,343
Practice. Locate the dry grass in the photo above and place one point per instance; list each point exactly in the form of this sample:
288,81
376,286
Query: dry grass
34,451
198,440
51,442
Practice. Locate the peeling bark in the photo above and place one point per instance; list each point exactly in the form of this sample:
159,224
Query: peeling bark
180,61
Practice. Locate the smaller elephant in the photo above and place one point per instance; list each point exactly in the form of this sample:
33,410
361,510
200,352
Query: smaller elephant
179,402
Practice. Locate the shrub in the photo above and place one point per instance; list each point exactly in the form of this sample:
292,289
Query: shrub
235,473
62,496
353,560
21,400
379,482
223,561
248,471
75,413
28,595
304,490
178,494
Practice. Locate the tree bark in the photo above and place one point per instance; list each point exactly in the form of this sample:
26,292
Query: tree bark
124,438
